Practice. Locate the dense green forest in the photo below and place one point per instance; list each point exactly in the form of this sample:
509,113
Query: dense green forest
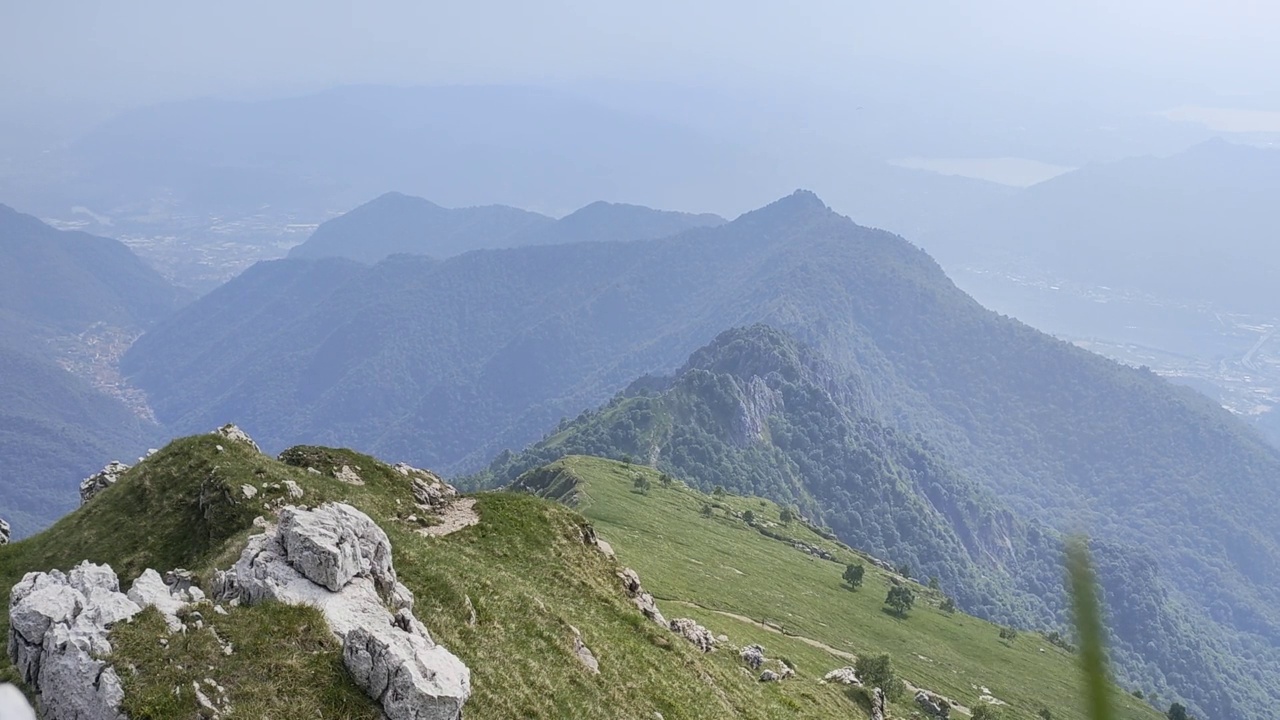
446,363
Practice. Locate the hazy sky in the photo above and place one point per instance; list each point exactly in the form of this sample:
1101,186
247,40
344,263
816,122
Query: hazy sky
123,52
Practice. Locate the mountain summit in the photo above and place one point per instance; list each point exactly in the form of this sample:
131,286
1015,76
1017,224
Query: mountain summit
448,362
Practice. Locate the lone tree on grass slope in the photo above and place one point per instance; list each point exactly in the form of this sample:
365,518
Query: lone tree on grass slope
853,575
900,600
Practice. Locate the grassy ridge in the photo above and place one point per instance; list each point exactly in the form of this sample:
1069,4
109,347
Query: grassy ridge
722,565
524,569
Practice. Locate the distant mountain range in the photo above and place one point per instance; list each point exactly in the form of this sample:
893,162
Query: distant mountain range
248,171
1168,262
447,362
395,223
1197,226
64,297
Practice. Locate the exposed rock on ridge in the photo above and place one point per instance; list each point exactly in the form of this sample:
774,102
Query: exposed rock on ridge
643,600
5,532
337,559
233,433
101,480
59,628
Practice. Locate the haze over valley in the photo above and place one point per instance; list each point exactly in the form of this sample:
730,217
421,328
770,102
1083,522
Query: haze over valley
717,361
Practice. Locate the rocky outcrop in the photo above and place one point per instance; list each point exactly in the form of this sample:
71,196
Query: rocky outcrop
235,434
101,480
813,550
878,710
693,632
845,676
768,676
643,600
5,532
59,627
758,403
14,705
151,590
347,475
753,656
428,488
584,654
337,559
589,537
933,705
58,637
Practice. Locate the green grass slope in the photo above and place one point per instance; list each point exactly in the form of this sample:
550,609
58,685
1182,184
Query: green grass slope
524,569
738,580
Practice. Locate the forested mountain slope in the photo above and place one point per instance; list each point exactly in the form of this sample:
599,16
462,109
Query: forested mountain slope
755,412
396,223
69,280
61,292
448,362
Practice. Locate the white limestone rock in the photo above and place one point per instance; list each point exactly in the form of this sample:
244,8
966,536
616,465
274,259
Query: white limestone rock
150,590
334,543
5,532
693,632
348,476
293,490
335,558
643,600
235,434
845,676
101,480
932,705
58,637
429,489
584,654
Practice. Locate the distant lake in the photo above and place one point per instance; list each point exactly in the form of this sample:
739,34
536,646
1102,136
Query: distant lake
1018,172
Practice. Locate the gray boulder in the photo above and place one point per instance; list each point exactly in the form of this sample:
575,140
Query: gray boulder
337,559
335,543
643,600
768,676
5,532
753,656
878,710
693,632
101,480
150,590
584,654
933,705
58,637
428,488
235,434
845,676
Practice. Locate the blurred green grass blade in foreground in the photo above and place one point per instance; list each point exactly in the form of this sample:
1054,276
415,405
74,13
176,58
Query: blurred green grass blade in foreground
1088,619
